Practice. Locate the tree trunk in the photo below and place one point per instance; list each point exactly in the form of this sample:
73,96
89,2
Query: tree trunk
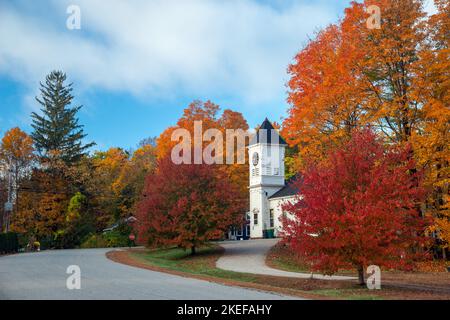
361,279
193,250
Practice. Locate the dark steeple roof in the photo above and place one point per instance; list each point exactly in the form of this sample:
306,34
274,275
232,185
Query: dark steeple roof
289,189
266,133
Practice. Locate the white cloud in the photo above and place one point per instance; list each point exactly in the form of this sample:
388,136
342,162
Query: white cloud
200,48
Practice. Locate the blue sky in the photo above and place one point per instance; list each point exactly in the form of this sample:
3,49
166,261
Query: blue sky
137,64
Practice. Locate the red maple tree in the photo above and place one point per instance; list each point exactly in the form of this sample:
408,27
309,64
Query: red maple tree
187,205
357,208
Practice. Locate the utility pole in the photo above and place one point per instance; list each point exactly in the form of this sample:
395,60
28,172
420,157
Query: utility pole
8,204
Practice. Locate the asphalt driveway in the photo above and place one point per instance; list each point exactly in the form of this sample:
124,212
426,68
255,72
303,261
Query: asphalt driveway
42,275
249,256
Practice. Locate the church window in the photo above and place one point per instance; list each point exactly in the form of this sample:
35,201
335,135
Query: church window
255,219
271,218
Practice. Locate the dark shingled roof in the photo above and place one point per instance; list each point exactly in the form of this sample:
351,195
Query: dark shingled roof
288,190
266,137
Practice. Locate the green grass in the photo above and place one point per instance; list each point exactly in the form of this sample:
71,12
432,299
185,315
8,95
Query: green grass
202,263
283,258
286,264
349,294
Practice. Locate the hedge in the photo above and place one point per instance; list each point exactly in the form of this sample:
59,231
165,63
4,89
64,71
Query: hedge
9,242
110,239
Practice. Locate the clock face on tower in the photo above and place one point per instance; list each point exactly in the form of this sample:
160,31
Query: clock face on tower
255,159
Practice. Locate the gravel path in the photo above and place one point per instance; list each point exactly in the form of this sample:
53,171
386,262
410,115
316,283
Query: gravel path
249,256
43,275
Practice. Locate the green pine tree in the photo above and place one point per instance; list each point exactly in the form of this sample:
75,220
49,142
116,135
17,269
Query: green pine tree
57,129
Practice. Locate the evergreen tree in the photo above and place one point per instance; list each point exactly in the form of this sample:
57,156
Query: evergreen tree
57,129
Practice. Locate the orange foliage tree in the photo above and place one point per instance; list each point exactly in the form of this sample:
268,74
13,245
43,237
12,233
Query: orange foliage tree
16,157
394,78
325,102
41,212
432,141
208,113
351,75
16,154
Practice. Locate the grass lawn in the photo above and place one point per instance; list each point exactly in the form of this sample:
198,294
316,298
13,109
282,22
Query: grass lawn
280,257
203,263
430,275
203,266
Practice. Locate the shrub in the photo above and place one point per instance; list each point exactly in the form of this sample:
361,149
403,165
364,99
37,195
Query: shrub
116,239
9,242
110,239
47,242
94,241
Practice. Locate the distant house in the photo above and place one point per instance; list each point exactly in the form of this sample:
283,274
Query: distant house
129,221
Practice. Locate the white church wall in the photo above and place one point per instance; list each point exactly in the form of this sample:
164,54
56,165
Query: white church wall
276,206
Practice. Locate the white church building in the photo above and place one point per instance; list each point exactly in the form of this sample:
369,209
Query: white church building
268,188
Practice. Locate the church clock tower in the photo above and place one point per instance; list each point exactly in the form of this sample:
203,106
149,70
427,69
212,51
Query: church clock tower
266,153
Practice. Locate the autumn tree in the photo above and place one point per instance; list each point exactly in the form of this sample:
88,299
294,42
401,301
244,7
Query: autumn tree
16,154
186,206
389,66
3,199
16,157
64,203
351,75
209,115
431,142
149,141
79,222
44,212
236,172
129,184
57,127
42,207
324,94
206,112
394,78
357,208
107,169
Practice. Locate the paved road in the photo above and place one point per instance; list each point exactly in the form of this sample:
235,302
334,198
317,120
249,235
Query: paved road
250,256
43,275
